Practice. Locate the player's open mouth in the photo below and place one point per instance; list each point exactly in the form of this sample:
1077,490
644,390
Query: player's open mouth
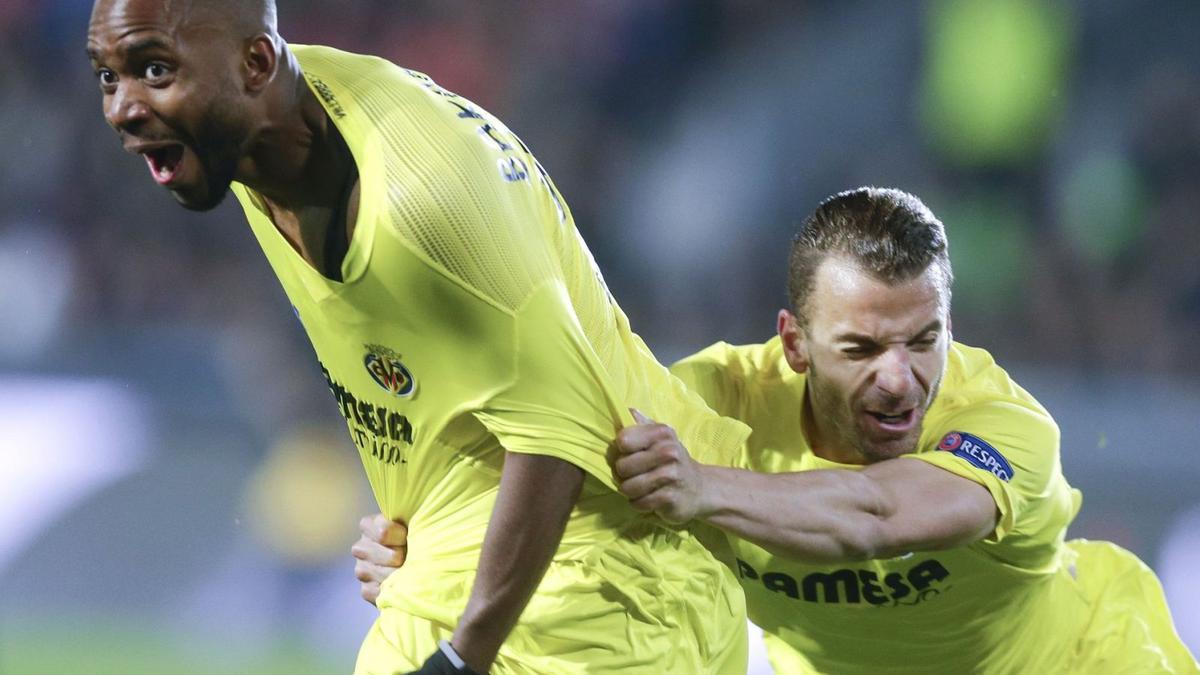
900,421
164,162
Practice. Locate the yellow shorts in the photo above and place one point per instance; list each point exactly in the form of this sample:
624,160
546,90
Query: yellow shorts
654,603
1130,630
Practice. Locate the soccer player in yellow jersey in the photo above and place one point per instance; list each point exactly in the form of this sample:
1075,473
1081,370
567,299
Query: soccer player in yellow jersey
480,364
900,506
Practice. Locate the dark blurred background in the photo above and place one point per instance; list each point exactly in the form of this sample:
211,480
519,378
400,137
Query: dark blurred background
175,488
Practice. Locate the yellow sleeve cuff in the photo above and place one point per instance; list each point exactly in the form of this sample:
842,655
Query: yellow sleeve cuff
1001,492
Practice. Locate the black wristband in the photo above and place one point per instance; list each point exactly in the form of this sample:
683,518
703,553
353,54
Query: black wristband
443,662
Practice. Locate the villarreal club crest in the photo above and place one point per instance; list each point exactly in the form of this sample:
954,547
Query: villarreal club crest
388,372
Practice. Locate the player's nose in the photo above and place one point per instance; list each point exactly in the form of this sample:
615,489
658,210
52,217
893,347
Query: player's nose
894,373
126,109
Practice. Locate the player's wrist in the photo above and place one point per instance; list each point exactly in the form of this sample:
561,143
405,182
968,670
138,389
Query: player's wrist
707,489
445,661
455,659
476,640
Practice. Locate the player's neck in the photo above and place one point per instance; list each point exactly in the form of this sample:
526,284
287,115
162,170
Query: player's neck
303,169
297,159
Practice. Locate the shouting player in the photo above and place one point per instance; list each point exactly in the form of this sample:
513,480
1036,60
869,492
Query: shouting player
900,505
470,343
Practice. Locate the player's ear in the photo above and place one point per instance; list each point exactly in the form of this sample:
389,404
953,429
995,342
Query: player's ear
259,62
791,336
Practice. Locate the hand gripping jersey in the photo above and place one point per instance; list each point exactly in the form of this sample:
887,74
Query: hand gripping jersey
1020,601
472,321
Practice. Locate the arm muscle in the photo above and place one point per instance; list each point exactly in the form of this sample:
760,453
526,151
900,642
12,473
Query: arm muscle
887,509
537,494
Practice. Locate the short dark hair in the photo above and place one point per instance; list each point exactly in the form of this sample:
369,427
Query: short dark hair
888,233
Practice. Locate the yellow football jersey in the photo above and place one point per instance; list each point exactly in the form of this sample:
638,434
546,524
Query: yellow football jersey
472,320
1007,604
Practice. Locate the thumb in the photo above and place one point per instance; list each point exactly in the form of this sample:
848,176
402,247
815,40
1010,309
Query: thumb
639,417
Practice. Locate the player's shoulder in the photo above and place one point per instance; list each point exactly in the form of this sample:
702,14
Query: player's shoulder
760,361
974,381
986,427
979,403
347,69
394,105
437,173
730,377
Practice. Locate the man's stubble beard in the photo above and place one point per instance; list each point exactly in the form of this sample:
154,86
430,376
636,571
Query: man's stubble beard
218,147
841,420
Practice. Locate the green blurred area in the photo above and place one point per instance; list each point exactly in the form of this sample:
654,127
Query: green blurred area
989,250
1102,207
994,75
96,645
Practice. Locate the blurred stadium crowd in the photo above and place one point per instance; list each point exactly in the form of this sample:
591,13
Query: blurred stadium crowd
1059,142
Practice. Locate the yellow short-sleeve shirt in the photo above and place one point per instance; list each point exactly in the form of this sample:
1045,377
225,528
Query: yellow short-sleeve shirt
1001,605
471,321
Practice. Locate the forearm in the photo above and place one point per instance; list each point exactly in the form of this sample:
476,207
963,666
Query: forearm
815,516
536,497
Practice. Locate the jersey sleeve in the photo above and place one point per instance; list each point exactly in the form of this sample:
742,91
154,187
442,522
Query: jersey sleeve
468,198
1012,449
475,206
560,402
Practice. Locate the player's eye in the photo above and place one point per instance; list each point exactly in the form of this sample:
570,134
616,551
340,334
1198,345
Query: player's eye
156,72
924,344
106,77
857,351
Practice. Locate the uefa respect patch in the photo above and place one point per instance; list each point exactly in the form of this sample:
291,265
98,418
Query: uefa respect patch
978,452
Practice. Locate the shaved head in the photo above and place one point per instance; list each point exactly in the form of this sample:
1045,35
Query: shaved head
245,18
238,19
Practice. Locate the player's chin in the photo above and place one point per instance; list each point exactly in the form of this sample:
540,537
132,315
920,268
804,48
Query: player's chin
879,449
200,196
